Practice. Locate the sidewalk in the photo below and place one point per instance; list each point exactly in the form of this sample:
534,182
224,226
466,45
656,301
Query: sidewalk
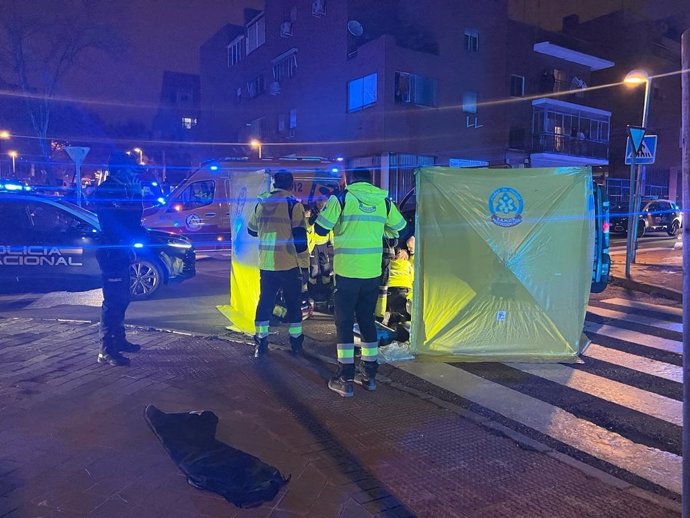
658,272
75,442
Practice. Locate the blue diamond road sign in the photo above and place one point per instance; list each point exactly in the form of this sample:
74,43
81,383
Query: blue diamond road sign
647,153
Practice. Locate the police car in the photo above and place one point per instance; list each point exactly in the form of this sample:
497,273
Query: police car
48,243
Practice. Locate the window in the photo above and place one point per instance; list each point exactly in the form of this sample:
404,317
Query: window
189,122
318,8
197,195
361,93
469,102
415,89
517,86
471,40
235,51
256,34
293,118
561,80
255,86
285,66
49,220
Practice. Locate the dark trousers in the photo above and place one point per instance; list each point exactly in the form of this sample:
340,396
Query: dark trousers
319,262
397,305
114,266
355,298
291,283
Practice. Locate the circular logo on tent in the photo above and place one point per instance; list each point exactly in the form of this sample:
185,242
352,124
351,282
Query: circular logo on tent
505,206
193,222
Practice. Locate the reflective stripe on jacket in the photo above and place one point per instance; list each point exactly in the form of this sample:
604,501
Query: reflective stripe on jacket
358,227
272,221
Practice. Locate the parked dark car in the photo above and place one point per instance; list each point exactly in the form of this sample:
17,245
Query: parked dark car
602,261
653,216
48,243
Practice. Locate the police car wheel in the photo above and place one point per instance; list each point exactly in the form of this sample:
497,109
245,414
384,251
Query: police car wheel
145,278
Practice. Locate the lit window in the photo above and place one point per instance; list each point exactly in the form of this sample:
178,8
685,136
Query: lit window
189,122
469,102
361,93
415,89
285,66
471,40
235,51
517,86
256,34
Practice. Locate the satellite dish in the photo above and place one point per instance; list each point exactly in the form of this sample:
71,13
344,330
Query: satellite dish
355,28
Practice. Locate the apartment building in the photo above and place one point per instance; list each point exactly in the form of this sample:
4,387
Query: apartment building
389,85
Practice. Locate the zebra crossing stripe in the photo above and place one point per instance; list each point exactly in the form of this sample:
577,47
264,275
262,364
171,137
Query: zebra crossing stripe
657,466
655,342
633,304
636,363
636,319
654,405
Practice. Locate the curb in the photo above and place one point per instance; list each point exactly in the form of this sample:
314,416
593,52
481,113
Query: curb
651,289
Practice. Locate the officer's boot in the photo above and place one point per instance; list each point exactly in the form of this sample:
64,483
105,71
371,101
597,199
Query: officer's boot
125,346
110,354
296,345
366,375
261,347
342,381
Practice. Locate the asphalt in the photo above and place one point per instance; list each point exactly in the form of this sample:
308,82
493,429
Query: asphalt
656,272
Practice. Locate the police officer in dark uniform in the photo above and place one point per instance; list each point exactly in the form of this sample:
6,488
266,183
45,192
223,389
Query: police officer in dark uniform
118,204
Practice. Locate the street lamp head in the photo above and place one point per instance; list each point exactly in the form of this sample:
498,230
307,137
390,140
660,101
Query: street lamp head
13,154
636,77
4,134
254,143
138,150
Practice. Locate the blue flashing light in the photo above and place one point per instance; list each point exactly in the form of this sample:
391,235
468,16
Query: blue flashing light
138,245
27,187
161,200
214,168
340,159
155,184
13,187
335,170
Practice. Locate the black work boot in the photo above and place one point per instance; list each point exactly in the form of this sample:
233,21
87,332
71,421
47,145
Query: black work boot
296,345
261,347
125,346
341,383
366,375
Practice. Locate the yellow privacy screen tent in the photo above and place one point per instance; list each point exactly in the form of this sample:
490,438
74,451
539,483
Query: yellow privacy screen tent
504,262
245,187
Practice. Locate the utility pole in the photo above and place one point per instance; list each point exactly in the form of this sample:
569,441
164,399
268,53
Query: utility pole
685,136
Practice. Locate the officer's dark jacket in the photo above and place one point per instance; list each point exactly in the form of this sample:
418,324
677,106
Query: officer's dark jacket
119,208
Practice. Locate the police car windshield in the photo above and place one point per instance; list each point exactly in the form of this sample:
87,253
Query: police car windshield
85,214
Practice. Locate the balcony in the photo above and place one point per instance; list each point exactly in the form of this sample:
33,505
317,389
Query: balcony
568,134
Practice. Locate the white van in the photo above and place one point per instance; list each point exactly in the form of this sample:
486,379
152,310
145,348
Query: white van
198,208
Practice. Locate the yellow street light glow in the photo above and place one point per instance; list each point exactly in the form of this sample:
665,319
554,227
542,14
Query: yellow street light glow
137,149
636,77
13,154
4,134
254,143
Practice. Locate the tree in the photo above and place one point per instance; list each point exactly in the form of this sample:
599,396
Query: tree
40,42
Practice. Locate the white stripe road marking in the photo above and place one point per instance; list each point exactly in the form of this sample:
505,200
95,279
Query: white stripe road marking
649,403
655,342
635,318
637,363
633,304
660,467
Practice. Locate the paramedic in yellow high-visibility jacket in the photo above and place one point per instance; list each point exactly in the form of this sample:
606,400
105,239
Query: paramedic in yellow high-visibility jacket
278,221
358,216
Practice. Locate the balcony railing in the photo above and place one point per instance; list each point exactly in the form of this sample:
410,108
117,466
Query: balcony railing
566,145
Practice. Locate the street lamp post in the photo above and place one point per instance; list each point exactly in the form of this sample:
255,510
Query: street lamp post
635,78
256,144
141,155
14,156
4,135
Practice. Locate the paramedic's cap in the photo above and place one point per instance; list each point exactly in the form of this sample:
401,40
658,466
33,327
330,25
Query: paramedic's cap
283,179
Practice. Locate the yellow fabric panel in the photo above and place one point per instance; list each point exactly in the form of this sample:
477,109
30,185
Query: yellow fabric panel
244,274
521,243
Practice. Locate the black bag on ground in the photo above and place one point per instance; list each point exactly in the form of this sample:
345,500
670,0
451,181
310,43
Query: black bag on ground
190,440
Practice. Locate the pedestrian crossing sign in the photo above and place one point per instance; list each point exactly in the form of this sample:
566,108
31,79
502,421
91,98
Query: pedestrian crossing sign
647,153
